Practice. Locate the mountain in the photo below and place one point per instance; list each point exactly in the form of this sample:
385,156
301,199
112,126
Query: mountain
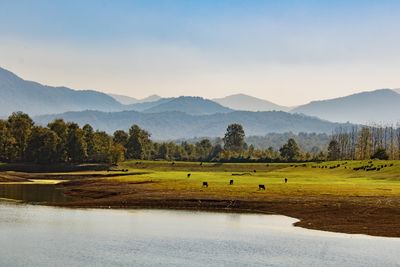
189,105
366,107
175,125
33,98
125,100
128,100
147,105
150,98
248,103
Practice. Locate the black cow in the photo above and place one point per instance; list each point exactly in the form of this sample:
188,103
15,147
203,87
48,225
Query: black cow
261,187
286,180
188,175
231,182
205,184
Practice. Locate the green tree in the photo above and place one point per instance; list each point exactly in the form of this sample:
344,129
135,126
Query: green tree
20,125
120,137
61,129
380,154
42,146
203,149
75,146
163,151
102,148
91,147
234,138
7,143
290,151
138,142
333,150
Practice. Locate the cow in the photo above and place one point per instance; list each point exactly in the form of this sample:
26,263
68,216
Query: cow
205,184
261,187
286,180
188,175
231,182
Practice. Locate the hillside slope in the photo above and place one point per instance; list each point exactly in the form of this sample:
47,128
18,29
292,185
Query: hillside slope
248,103
17,94
189,105
366,107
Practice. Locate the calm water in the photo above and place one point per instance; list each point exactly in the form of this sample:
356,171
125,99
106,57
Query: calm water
33,193
46,236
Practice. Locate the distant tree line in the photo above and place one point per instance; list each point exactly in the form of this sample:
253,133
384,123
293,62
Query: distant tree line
66,142
366,142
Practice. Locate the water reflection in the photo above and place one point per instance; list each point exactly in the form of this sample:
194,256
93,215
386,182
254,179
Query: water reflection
33,193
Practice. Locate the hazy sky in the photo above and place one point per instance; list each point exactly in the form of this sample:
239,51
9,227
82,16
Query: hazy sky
289,52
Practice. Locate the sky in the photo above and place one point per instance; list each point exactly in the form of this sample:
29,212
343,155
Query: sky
288,52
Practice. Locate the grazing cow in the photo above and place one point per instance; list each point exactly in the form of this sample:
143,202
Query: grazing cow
231,182
261,187
173,163
286,180
205,184
188,175
254,170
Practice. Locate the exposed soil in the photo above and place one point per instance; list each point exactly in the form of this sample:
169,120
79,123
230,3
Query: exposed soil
375,215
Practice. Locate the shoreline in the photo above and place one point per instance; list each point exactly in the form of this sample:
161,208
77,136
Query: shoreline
304,220
312,219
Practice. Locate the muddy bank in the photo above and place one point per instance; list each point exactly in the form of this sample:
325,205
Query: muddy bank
377,216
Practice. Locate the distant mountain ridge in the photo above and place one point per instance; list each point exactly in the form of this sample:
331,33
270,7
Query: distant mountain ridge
174,125
248,103
189,105
375,106
33,98
124,100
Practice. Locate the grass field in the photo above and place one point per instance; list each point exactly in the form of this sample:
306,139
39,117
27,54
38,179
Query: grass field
303,179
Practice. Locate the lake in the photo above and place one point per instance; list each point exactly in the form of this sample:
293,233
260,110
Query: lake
33,235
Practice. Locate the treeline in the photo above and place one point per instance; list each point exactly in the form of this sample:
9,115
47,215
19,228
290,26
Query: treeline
367,142
60,142
66,142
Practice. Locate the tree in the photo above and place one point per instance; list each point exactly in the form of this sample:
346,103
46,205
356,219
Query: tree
290,151
75,146
20,125
42,146
137,142
91,147
61,129
234,138
380,154
203,149
7,143
333,150
163,151
120,137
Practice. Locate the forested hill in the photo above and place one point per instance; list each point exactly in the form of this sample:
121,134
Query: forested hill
174,125
33,98
190,105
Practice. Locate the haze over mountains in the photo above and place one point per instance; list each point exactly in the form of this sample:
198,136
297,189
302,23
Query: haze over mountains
248,103
175,125
367,107
33,98
189,116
